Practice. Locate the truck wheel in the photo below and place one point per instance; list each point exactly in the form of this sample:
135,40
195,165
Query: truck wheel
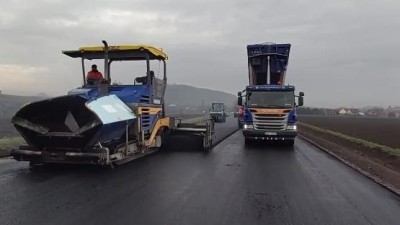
289,143
35,165
247,141
32,164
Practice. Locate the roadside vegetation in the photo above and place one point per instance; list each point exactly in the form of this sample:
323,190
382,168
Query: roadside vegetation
393,152
9,143
383,131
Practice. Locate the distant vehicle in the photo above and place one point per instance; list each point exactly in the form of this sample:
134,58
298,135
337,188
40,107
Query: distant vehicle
217,112
268,105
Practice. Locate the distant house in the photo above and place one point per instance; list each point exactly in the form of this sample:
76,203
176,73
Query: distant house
355,111
348,112
331,112
393,112
360,114
342,112
378,112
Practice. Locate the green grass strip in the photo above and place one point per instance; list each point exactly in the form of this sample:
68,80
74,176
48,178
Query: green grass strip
9,143
372,145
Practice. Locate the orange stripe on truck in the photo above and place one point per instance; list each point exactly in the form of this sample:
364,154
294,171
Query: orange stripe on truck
269,111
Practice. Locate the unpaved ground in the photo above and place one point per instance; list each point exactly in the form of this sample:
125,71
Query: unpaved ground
384,131
372,161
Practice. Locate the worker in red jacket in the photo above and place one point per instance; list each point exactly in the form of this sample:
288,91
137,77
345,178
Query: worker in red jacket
94,75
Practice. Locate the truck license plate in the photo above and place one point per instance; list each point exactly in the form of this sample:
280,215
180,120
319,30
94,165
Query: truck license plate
270,133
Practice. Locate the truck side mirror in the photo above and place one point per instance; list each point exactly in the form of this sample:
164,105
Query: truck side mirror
239,94
300,101
301,93
240,101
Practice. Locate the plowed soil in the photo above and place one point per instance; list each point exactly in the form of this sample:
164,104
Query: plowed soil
372,161
384,131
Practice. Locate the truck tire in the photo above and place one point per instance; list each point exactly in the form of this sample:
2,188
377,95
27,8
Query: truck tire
32,165
289,143
36,165
247,141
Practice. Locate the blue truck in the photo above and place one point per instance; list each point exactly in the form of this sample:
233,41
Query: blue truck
268,104
102,123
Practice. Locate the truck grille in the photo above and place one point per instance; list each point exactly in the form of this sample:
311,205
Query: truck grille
270,121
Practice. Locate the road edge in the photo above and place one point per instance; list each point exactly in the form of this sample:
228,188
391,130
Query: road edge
353,166
224,137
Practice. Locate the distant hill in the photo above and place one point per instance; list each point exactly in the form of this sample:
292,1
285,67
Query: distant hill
185,95
9,104
176,94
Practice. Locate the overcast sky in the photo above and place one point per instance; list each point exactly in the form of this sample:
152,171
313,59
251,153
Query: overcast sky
344,52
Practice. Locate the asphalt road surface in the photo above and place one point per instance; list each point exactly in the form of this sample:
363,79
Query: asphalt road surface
232,184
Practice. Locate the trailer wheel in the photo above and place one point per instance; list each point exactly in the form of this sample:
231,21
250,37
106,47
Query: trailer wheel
34,165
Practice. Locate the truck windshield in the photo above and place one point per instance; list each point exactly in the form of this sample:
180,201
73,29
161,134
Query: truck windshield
217,107
277,99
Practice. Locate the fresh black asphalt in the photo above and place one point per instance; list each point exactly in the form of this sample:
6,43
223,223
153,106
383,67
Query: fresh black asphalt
232,184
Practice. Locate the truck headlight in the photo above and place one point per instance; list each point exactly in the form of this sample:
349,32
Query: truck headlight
291,127
248,126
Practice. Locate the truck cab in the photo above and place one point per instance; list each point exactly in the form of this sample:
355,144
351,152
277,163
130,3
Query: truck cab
269,105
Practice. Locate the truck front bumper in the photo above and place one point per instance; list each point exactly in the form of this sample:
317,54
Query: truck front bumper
269,135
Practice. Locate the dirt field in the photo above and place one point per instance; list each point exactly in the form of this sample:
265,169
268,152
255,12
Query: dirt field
384,131
372,161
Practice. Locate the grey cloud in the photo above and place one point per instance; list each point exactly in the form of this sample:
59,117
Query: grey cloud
344,53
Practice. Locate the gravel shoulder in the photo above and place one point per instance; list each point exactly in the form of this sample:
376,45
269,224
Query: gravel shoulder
373,162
